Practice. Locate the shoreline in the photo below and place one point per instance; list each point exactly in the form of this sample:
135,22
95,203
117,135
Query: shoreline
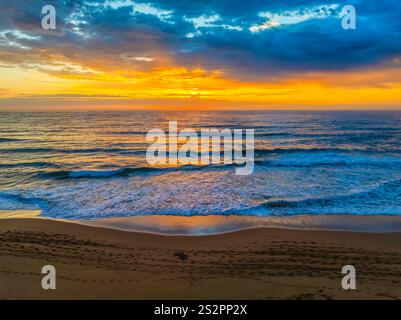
264,263
220,224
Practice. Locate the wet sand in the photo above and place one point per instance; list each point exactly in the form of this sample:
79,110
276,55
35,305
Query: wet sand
217,224
263,263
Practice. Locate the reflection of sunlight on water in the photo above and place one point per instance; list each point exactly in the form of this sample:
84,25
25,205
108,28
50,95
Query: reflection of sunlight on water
89,165
206,225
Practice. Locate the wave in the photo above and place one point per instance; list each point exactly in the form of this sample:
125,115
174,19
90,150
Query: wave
122,172
330,159
71,202
20,201
390,189
79,174
299,161
29,165
319,150
133,133
337,136
273,135
257,151
5,140
69,151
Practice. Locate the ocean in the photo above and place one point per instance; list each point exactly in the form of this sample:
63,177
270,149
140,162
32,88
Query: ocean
91,165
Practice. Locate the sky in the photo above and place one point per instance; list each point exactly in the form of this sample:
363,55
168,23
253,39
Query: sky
200,54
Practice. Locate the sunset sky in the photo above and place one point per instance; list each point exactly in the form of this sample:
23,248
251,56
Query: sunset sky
273,54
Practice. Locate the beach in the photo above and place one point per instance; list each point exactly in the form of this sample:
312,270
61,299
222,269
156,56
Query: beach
97,262
200,150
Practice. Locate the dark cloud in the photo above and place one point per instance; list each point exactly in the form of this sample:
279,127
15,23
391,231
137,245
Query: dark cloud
208,33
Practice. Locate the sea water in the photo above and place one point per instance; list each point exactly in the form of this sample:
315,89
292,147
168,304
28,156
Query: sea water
89,165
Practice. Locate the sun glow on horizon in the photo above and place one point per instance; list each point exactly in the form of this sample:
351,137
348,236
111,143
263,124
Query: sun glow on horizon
166,87
198,56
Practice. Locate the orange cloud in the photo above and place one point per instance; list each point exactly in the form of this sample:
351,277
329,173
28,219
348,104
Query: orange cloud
90,82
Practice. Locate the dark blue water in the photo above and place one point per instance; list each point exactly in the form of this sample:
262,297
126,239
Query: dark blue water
86,165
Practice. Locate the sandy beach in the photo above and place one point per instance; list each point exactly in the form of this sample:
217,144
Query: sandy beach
95,262
200,150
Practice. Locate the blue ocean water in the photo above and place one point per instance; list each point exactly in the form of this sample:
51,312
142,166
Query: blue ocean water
88,165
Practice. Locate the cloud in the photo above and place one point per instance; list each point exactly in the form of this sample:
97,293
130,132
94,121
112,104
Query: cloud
287,18
205,22
243,39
